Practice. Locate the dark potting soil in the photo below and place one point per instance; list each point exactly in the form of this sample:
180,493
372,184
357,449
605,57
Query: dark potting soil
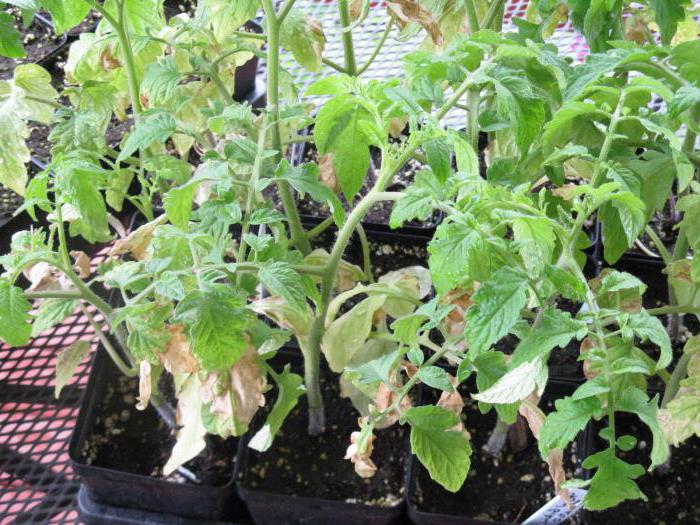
672,494
314,466
175,7
129,440
380,212
38,40
509,488
88,25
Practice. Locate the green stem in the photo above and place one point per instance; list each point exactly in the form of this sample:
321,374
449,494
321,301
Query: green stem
113,354
607,143
348,46
129,62
472,17
273,67
473,102
334,65
250,197
659,245
454,99
366,262
673,384
53,294
318,230
492,14
379,47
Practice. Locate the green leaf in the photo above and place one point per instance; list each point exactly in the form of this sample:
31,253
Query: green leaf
613,481
566,283
556,329
684,99
280,279
623,218
291,388
346,334
67,361
435,377
52,312
216,320
497,308
418,201
225,17
305,179
178,204
668,14
10,38
526,113
648,327
169,286
439,158
563,425
342,128
78,183
445,453
558,130
535,240
456,251
160,80
154,126
14,315
304,37
142,17
637,402
66,14
516,384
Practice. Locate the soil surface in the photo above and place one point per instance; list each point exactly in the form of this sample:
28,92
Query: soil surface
139,442
314,466
380,212
508,489
38,40
672,495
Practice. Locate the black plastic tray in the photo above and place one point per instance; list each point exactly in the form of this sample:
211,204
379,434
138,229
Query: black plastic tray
136,492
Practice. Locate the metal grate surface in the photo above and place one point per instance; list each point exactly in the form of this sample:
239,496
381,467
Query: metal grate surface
37,484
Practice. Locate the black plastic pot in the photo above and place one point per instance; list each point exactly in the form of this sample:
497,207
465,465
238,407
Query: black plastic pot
271,508
268,508
556,390
123,492
246,75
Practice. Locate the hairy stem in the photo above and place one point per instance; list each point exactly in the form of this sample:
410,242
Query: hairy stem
348,46
123,367
298,236
497,439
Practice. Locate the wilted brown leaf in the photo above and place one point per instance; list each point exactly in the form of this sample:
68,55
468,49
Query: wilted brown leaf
355,8
137,241
411,11
248,386
359,453
108,60
144,385
555,460
178,357
327,174
82,263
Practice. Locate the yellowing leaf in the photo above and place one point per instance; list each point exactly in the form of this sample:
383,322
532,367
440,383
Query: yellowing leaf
137,241
411,11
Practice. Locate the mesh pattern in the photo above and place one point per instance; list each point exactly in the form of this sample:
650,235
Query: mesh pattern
37,484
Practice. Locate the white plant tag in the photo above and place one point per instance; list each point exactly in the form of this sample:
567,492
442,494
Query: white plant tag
555,511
